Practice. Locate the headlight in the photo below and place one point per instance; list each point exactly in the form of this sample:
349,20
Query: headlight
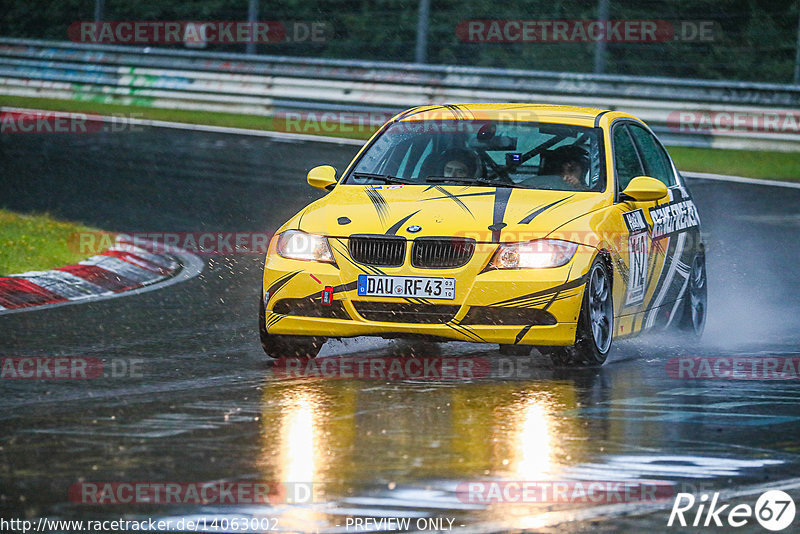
297,245
534,254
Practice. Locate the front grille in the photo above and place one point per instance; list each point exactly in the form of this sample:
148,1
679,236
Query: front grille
504,315
385,251
310,307
396,312
441,252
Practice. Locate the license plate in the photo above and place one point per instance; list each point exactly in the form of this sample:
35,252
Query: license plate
406,286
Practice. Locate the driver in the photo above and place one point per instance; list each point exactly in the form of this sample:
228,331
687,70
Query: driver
571,163
458,163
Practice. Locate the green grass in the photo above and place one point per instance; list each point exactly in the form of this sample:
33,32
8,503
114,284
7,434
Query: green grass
751,163
38,242
755,164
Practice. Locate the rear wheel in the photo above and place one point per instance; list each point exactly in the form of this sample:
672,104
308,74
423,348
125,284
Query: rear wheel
695,303
595,323
280,346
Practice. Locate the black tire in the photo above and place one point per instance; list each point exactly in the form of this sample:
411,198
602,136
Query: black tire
695,302
279,346
595,323
514,350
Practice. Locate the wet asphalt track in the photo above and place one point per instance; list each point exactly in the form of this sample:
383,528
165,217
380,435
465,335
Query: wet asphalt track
208,406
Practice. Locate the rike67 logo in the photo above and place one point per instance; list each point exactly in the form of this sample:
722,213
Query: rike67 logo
774,510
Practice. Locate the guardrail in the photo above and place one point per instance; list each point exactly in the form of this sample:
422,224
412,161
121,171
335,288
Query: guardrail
266,85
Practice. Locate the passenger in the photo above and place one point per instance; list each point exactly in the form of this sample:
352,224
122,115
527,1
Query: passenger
458,163
571,163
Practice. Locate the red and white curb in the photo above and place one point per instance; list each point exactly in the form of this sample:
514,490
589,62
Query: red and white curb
122,270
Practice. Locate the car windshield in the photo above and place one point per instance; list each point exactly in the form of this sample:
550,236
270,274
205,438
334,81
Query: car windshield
484,153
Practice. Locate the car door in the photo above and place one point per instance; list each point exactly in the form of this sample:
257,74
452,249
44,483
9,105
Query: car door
643,257
674,228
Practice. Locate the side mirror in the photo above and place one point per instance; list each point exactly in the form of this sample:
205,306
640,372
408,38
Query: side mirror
322,177
644,188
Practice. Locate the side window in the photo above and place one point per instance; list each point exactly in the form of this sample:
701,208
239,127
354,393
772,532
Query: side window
626,162
656,161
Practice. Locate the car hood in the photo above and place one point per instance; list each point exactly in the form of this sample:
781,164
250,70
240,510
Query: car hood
487,214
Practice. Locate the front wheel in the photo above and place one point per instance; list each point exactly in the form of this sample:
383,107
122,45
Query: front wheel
595,323
280,346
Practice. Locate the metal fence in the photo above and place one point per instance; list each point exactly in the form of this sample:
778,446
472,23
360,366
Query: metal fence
684,112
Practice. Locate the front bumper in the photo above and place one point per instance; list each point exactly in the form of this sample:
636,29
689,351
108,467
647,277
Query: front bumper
530,307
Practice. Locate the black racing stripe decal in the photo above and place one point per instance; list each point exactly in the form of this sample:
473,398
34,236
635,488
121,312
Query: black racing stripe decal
273,320
567,285
468,329
654,249
461,195
379,202
453,108
536,302
672,245
396,226
555,295
464,331
538,211
522,334
451,327
300,219
408,113
641,317
362,268
280,282
457,112
349,286
599,115
501,196
341,288
534,213
455,199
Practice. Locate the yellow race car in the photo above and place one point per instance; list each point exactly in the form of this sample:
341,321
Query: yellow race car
523,225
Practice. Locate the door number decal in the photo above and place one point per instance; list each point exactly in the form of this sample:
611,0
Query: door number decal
638,256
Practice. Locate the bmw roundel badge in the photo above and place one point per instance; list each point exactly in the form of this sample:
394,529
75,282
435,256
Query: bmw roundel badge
414,228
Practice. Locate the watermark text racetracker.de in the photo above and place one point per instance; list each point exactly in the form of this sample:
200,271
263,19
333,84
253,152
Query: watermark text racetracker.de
385,368
563,491
734,367
69,368
586,31
187,493
775,121
200,32
201,243
57,122
419,367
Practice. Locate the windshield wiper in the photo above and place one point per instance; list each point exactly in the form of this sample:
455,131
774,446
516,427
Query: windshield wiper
384,177
465,180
